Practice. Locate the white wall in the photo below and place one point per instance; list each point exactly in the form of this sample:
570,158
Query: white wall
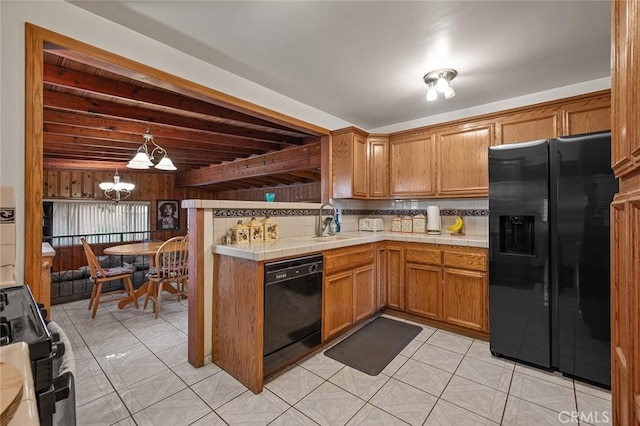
71,21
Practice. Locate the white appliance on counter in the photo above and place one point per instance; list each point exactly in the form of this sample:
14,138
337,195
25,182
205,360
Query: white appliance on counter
373,224
433,220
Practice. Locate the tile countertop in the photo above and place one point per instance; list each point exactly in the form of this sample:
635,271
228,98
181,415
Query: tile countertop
286,247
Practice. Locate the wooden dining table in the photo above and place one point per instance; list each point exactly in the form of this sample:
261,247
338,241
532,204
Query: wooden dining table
147,249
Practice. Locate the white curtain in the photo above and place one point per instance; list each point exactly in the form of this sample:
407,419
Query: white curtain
99,217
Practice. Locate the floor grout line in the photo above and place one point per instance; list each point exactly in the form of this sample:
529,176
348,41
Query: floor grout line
76,316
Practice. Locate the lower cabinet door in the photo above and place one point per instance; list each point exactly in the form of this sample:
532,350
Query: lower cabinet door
464,295
364,292
395,277
422,290
381,277
337,304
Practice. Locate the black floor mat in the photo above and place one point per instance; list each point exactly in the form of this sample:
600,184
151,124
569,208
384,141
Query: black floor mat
375,345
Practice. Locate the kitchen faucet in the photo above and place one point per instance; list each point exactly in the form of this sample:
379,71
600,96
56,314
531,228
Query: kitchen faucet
320,225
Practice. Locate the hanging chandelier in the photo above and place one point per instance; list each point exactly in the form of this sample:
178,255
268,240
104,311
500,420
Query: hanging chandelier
116,190
144,159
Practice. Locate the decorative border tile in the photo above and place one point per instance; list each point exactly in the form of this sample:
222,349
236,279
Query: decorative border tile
219,213
7,215
407,212
265,212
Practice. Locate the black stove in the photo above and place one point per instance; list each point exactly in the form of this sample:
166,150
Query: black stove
21,320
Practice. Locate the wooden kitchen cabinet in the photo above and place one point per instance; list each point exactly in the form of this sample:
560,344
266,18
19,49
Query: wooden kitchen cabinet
378,166
364,292
587,116
528,126
465,288
412,165
349,288
625,215
337,304
445,284
381,275
359,164
423,281
423,290
395,276
463,160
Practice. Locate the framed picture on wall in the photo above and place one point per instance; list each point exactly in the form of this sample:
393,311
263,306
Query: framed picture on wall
168,215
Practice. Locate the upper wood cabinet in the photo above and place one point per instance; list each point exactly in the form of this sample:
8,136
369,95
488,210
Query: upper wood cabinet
463,164
451,159
528,126
378,166
625,87
586,116
359,164
412,165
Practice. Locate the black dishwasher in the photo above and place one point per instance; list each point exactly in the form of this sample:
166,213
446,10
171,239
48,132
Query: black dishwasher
292,310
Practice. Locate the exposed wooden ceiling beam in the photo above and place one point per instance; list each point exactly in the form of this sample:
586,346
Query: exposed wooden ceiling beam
65,77
186,88
292,159
151,114
137,129
59,134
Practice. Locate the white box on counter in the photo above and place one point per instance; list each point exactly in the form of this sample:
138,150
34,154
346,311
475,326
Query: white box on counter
372,224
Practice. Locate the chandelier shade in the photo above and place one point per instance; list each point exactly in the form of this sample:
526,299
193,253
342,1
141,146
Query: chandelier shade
144,158
165,164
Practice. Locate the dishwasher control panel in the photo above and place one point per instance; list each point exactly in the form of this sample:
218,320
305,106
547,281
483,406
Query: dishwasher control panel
294,268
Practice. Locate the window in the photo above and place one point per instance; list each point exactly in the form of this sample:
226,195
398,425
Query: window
126,221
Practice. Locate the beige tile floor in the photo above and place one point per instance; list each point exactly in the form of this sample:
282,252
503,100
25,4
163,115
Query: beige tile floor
133,370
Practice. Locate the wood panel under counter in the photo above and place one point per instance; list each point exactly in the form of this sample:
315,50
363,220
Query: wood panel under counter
238,317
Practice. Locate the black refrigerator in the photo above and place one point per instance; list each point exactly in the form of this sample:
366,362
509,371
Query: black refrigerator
549,296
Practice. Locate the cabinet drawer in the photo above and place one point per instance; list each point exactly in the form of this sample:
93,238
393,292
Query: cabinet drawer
465,260
424,256
347,258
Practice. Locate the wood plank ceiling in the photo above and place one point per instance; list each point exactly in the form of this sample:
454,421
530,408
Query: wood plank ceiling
95,114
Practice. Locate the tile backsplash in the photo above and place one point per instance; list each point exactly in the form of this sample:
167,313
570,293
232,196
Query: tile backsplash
299,219
475,212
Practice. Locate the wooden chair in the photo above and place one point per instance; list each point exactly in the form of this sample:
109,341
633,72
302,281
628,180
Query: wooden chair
170,272
100,275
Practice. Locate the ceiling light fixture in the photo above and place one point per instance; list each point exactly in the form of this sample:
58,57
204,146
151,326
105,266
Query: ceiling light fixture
116,190
143,159
440,81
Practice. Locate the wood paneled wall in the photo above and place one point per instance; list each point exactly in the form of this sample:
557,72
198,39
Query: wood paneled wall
78,184
83,185
300,193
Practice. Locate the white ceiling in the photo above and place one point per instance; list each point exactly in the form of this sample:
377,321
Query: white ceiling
363,61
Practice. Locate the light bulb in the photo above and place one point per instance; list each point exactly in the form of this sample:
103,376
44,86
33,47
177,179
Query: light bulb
449,92
442,84
432,93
